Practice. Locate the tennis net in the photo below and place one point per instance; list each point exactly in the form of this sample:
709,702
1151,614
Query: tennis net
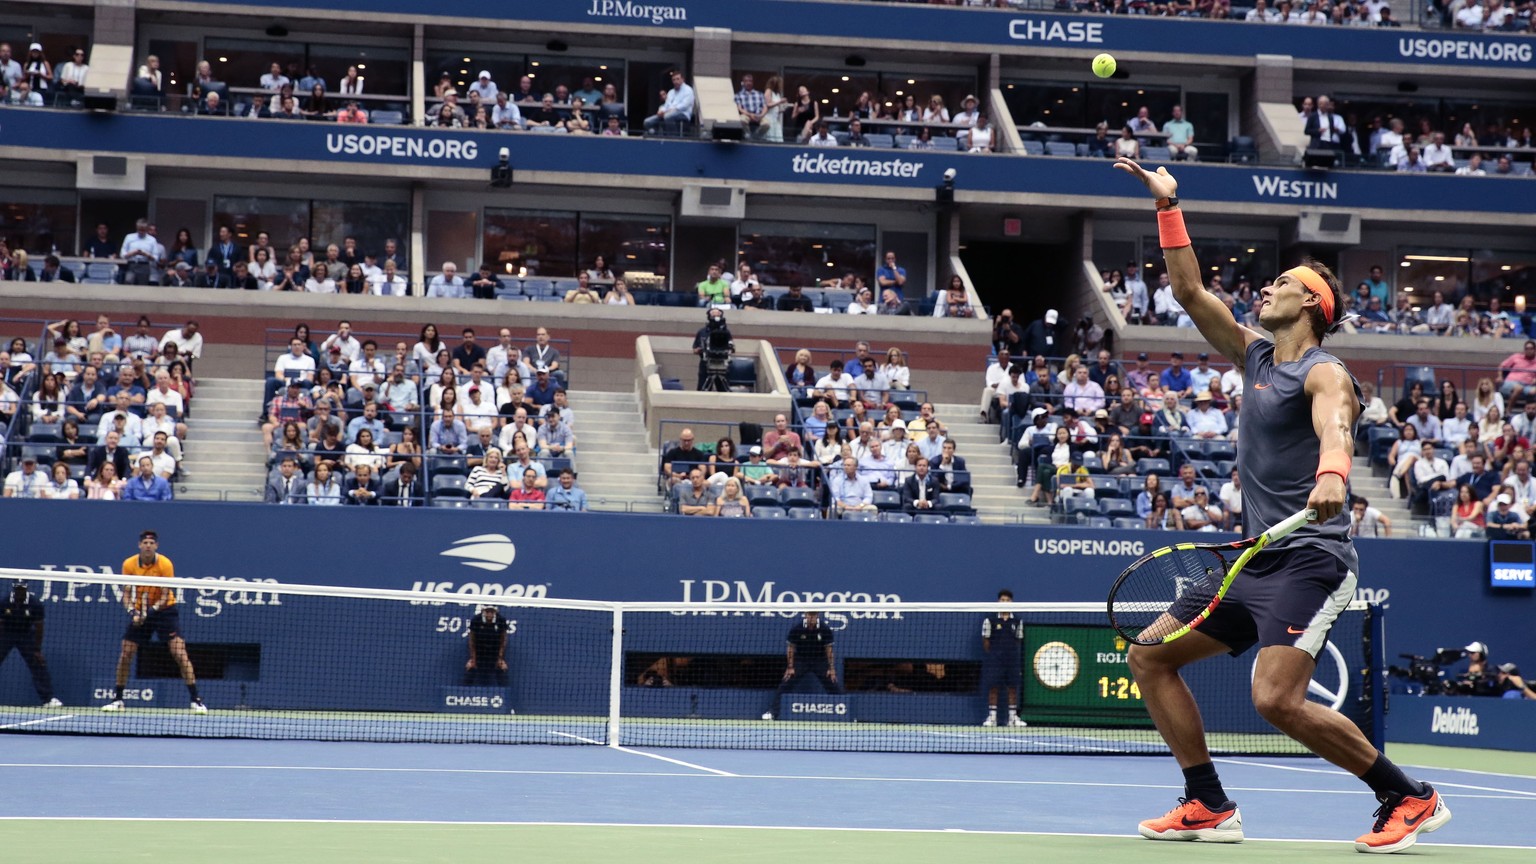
291,661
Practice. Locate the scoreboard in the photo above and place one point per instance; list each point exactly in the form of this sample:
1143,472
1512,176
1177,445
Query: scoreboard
1079,674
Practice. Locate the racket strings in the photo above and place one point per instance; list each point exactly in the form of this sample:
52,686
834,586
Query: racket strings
1165,592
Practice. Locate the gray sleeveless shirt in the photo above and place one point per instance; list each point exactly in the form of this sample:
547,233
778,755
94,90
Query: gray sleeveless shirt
1277,450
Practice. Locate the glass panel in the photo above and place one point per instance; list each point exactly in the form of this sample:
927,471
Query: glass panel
1207,112
178,63
284,219
385,71
370,223
1510,276
883,87
543,242
38,228
1224,258
463,65
450,237
627,243
550,74
1051,103
784,251
242,62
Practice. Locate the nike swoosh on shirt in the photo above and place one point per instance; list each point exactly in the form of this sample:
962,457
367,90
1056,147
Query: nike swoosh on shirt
1261,386
1294,631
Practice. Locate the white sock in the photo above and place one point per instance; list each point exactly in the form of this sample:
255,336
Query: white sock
992,711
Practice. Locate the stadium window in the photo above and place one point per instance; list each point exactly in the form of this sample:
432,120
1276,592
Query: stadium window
882,86
39,224
1256,259
1483,273
505,69
287,219
561,244
551,72
782,251
244,61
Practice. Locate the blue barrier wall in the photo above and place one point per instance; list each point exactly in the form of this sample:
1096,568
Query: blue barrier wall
215,137
908,23
1435,592
1500,724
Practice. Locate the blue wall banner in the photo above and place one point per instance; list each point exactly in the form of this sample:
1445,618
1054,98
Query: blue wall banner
148,134
1463,721
860,23
1435,593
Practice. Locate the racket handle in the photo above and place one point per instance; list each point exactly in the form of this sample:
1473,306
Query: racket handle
1291,523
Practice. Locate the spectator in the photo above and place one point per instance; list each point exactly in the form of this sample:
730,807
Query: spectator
447,284
920,489
1453,430
1205,421
1473,168
750,105
1367,521
555,438
1181,137
489,478
146,485
104,484
138,254
732,504
695,497
1429,473
523,461
1324,127
541,353
850,489
1127,145
1183,492
834,386
27,481
448,434
1042,337
1519,375
1162,517
823,136
1505,523
1467,517
1426,423
1083,394
274,80
288,486
679,460
1202,514
954,303
876,467
1176,380
781,439
72,74
61,486
484,87
323,488
676,109
714,289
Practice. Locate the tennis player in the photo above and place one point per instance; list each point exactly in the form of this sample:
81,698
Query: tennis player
1299,409
152,612
808,651
1002,637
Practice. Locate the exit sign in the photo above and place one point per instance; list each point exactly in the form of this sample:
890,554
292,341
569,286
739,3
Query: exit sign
1013,227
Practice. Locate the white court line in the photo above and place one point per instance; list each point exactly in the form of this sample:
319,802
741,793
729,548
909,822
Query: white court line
1469,771
1018,739
695,827
35,722
715,771
1521,793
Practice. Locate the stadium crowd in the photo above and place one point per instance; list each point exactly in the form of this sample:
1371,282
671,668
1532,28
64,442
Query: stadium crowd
98,415
1506,16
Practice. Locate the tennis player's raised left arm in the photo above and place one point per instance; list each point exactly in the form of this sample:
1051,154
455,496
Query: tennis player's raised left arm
1334,408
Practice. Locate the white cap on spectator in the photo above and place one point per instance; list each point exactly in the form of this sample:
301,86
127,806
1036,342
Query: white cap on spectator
1036,413
36,46
755,451
1503,499
1479,647
1050,316
484,75
899,424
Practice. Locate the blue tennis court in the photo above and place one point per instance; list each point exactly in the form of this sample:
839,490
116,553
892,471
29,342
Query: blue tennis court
308,800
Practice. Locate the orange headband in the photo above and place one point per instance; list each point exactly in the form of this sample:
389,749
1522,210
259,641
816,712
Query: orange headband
1317,285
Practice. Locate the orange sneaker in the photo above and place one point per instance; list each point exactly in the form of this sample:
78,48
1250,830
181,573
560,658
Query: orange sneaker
1400,820
1192,820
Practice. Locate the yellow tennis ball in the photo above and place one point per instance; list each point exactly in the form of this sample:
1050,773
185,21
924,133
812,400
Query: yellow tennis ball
1104,65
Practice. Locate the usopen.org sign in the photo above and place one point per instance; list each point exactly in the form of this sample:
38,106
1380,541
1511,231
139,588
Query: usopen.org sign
1466,49
637,11
402,146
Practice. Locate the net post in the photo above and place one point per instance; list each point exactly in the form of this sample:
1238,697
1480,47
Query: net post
615,675
1376,628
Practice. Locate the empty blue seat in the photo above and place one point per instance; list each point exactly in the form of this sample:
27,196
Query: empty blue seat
767,511
448,465
861,516
1060,148
906,400
1107,487
804,513
880,139
954,502
799,496
454,503
1096,522
487,504
387,118
1205,468
1160,467
763,495
1034,148
931,518
1092,462
1220,451
895,516
1129,523
449,485
964,519
1116,507
886,499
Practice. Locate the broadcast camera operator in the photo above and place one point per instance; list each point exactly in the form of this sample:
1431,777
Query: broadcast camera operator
714,346
1480,678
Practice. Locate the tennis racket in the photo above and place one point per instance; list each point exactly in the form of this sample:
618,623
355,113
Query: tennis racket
1169,592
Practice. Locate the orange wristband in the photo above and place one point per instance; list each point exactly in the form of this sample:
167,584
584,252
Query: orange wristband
1334,462
1170,229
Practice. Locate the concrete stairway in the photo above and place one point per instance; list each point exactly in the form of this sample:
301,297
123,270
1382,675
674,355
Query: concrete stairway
225,459
613,462
1375,490
994,480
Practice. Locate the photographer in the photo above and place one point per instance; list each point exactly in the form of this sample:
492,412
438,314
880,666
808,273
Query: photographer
713,346
1007,335
21,628
1507,683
